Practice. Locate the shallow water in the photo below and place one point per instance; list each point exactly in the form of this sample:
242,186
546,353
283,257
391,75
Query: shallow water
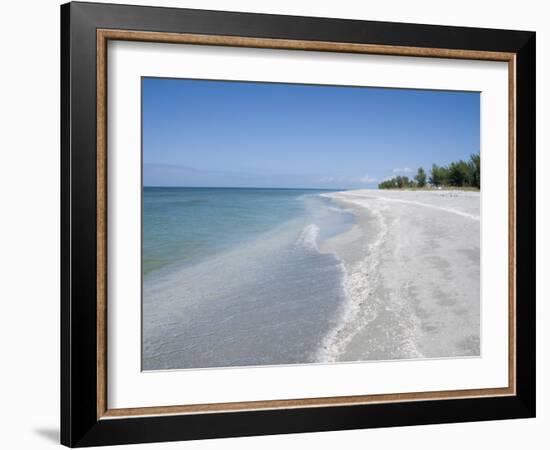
234,277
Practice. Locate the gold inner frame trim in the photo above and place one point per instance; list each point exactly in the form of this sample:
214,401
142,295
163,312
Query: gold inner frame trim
103,36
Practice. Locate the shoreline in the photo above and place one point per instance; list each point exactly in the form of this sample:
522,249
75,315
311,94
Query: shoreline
411,276
376,286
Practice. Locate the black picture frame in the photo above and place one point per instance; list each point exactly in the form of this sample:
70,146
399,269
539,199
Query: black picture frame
80,425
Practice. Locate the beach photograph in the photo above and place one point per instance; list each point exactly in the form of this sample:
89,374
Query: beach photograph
292,224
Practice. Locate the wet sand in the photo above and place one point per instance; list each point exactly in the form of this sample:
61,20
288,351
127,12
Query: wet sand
412,276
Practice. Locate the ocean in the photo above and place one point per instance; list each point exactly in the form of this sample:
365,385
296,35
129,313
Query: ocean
234,276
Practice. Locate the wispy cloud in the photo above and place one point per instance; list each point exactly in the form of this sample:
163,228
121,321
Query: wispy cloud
328,180
348,180
367,179
403,170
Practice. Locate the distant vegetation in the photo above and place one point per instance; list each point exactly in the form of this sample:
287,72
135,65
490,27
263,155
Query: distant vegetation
456,174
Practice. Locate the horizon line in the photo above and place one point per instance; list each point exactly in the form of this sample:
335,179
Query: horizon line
251,187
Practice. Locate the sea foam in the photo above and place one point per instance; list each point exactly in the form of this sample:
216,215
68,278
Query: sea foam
308,237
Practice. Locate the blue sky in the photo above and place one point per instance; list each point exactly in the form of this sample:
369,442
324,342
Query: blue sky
248,134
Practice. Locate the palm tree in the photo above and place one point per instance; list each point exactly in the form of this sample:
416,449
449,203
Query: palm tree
475,170
420,177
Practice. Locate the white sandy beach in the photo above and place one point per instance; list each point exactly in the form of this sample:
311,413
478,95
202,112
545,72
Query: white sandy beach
412,276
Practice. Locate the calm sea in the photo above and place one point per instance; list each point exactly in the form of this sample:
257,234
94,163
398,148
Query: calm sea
234,277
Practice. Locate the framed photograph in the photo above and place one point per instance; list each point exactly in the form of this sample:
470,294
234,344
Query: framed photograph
276,224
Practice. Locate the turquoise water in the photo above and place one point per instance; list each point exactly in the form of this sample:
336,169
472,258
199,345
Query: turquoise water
188,224
234,277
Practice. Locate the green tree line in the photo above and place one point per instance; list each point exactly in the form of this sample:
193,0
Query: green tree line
457,174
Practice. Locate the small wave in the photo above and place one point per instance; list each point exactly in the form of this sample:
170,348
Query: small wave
360,282
308,237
